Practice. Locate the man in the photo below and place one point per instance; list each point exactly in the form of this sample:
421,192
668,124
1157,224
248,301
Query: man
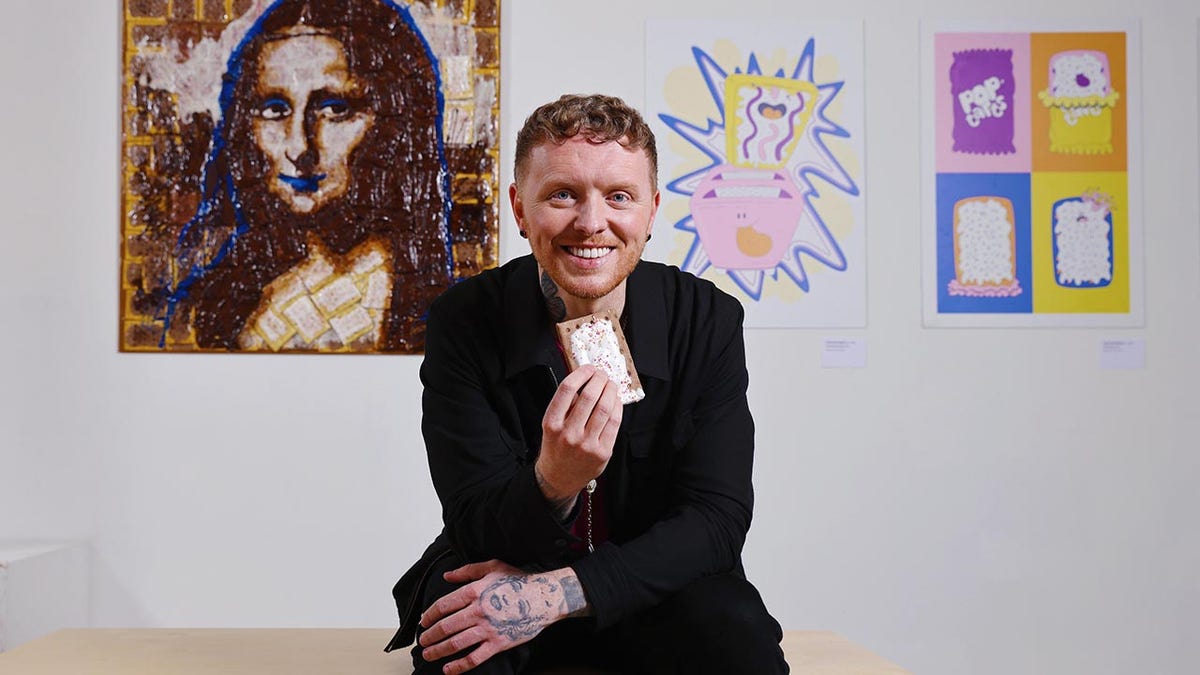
559,502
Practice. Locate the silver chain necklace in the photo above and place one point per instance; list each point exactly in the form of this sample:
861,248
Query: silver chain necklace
589,489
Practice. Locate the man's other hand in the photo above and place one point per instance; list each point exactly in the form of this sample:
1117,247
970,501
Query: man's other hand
498,608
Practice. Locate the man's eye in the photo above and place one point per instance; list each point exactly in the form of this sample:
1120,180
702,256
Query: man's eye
560,194
274,109
334,108
621,198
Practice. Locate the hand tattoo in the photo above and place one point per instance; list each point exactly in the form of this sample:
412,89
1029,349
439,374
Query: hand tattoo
554,303
516,606
575,603
521,606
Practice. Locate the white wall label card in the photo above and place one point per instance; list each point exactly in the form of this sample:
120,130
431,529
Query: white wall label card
1127,354
844,353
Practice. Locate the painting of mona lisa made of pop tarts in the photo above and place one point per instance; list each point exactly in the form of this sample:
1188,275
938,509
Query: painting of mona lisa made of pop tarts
303,175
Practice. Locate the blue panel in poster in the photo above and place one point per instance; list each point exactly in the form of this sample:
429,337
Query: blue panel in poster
1014,294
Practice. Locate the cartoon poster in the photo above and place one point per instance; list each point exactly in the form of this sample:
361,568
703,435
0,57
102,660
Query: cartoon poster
760,141
303,176
1031,213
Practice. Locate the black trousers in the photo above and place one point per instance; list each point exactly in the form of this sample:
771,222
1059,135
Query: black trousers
716,624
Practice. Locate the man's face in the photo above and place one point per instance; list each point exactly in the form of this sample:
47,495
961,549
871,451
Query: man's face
587,209
308,119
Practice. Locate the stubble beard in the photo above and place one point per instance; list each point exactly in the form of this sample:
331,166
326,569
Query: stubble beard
570,285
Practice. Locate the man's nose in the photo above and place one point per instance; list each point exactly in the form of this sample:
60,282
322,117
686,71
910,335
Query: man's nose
591,216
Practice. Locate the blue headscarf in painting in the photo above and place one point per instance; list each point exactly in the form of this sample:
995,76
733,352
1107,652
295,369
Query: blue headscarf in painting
243,236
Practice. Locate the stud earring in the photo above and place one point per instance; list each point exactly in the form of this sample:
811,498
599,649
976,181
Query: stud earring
648,235
524,234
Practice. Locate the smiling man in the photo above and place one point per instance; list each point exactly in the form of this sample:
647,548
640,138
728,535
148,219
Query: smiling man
578,530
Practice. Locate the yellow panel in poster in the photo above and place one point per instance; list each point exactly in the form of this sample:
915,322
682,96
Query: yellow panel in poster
1080,242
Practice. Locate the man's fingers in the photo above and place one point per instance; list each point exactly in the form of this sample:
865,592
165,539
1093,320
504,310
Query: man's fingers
447,605
585,403
446,627
608,434
607,406
453,644
564,396
484,652
470,571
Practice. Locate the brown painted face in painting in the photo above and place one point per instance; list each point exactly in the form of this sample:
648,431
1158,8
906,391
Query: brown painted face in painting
308,118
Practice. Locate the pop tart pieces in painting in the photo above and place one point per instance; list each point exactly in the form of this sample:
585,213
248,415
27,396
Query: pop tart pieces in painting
304,176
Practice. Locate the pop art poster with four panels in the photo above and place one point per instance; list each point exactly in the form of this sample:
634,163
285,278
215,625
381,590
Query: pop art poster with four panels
760,142
1031,207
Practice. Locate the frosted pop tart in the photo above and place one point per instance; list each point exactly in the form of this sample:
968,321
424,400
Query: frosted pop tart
597,339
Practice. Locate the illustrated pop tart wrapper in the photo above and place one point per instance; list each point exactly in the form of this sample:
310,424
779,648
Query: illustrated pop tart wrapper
596,339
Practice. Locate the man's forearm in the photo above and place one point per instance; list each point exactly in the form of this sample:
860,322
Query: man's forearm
561,505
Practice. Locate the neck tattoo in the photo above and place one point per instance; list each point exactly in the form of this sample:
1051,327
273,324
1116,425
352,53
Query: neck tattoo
554,303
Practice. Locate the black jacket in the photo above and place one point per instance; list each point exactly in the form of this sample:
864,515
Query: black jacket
678,484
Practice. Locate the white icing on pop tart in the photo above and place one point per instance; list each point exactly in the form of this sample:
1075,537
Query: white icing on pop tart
595,340
595,343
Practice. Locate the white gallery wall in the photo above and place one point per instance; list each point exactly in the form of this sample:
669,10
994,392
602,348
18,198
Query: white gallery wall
973,502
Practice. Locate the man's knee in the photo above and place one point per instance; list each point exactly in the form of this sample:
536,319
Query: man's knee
725,608
726,626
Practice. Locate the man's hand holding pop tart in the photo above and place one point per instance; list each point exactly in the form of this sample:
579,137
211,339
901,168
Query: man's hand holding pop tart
578,433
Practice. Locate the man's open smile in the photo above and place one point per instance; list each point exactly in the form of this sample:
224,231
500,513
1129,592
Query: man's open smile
589,252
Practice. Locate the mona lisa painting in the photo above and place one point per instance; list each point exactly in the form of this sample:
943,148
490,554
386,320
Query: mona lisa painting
304,175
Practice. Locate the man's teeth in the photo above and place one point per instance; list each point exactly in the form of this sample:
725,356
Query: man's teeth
588,252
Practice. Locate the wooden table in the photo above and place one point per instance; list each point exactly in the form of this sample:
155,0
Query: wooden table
316,651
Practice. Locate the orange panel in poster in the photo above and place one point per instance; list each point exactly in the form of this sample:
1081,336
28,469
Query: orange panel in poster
1080,116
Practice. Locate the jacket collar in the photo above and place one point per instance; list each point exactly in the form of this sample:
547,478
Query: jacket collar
530,341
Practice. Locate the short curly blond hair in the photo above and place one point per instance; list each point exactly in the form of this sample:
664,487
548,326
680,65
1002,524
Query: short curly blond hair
598,118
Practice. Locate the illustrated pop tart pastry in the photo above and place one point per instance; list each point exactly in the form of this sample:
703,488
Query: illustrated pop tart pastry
597,339
1083,241
1081,102
984,249
748,211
